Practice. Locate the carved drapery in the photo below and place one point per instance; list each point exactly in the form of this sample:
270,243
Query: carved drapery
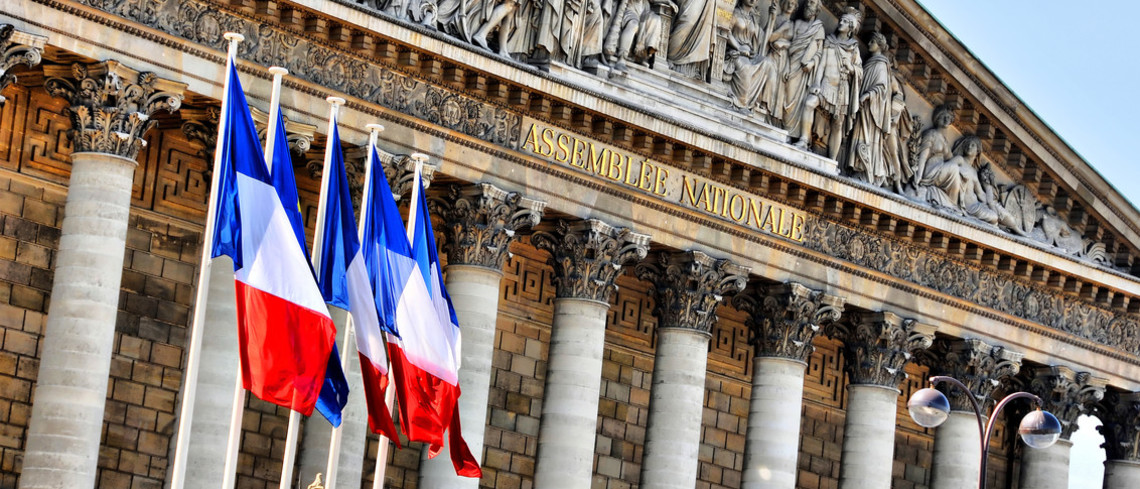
587,256
17,48
784,319
980,366
1066,394
877,346
1120,415
111,105
479,222
688,286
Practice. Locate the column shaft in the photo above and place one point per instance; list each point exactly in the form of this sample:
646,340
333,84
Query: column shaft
957,448
71,392
474,292
1047,468
217,373
570,404
1121,474
773,438
868,437
676,403
354,423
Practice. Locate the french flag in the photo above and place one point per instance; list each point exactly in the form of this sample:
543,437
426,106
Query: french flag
346,282
425,356
284,328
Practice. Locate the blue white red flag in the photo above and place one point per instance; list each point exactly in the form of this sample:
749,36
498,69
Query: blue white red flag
345,282
425,357
284,328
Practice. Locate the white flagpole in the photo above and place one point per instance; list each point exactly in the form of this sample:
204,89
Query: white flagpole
337,433
318,245
384,445
233,441
186,414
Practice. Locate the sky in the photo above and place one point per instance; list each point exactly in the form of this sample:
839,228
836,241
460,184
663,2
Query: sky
1076,66
1074,63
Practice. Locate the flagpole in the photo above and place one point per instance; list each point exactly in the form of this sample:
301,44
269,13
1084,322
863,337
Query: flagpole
274,109
384,445
337,432
186,414
318,244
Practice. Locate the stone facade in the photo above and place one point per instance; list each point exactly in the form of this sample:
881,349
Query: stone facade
567,141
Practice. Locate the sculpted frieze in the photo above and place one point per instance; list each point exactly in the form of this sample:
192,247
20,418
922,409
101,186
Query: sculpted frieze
201,22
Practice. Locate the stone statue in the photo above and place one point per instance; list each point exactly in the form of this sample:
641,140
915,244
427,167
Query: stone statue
835,87
744,57
547,43
1054,231
507,18
691,38
570,30
458,17
896,151
933,147
803,54
625,27
770,98
867,152
942,180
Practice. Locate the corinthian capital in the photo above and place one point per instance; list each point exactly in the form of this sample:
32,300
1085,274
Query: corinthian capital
1066,394
480,221
785,319
978,365
588,255
1120,415
877,346
400,170
17,48
111,105
687,287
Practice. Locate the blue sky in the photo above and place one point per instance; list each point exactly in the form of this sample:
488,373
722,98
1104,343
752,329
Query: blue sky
1076,66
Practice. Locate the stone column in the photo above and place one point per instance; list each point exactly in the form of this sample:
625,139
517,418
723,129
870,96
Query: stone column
877,347
479,225
957,442
687,288
1068,395
17,48
110,112
587,257
784,320
1120,415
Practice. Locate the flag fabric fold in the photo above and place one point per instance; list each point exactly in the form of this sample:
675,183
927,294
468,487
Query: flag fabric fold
284,328
425,356
346,283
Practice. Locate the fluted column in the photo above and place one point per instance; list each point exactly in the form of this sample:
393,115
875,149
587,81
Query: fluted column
587,257
784,320
1120,415
687,288
17,48
877,347
957,442
1066,394
110,108
479,224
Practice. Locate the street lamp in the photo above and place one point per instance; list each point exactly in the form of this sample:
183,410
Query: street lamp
929,408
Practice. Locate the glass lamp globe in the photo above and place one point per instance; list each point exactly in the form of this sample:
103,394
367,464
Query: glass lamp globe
1039,429
928,407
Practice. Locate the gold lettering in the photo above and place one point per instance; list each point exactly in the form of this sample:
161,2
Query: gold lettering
797,233
753,212
644,180
659,185
532,139
614,171
723,201
767,222
596,159
577,153
563,150
780,226
736,204
707,197
688,190
548,140
629,171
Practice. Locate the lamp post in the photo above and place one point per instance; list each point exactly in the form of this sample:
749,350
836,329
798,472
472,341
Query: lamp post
929,408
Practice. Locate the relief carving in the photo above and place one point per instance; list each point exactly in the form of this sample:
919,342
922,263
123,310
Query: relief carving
784,319
111,105
834,87
688,286
1066,394
981,367
877,347
587,256
17,48
480,222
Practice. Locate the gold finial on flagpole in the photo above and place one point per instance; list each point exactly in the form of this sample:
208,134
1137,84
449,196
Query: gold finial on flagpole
316,483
